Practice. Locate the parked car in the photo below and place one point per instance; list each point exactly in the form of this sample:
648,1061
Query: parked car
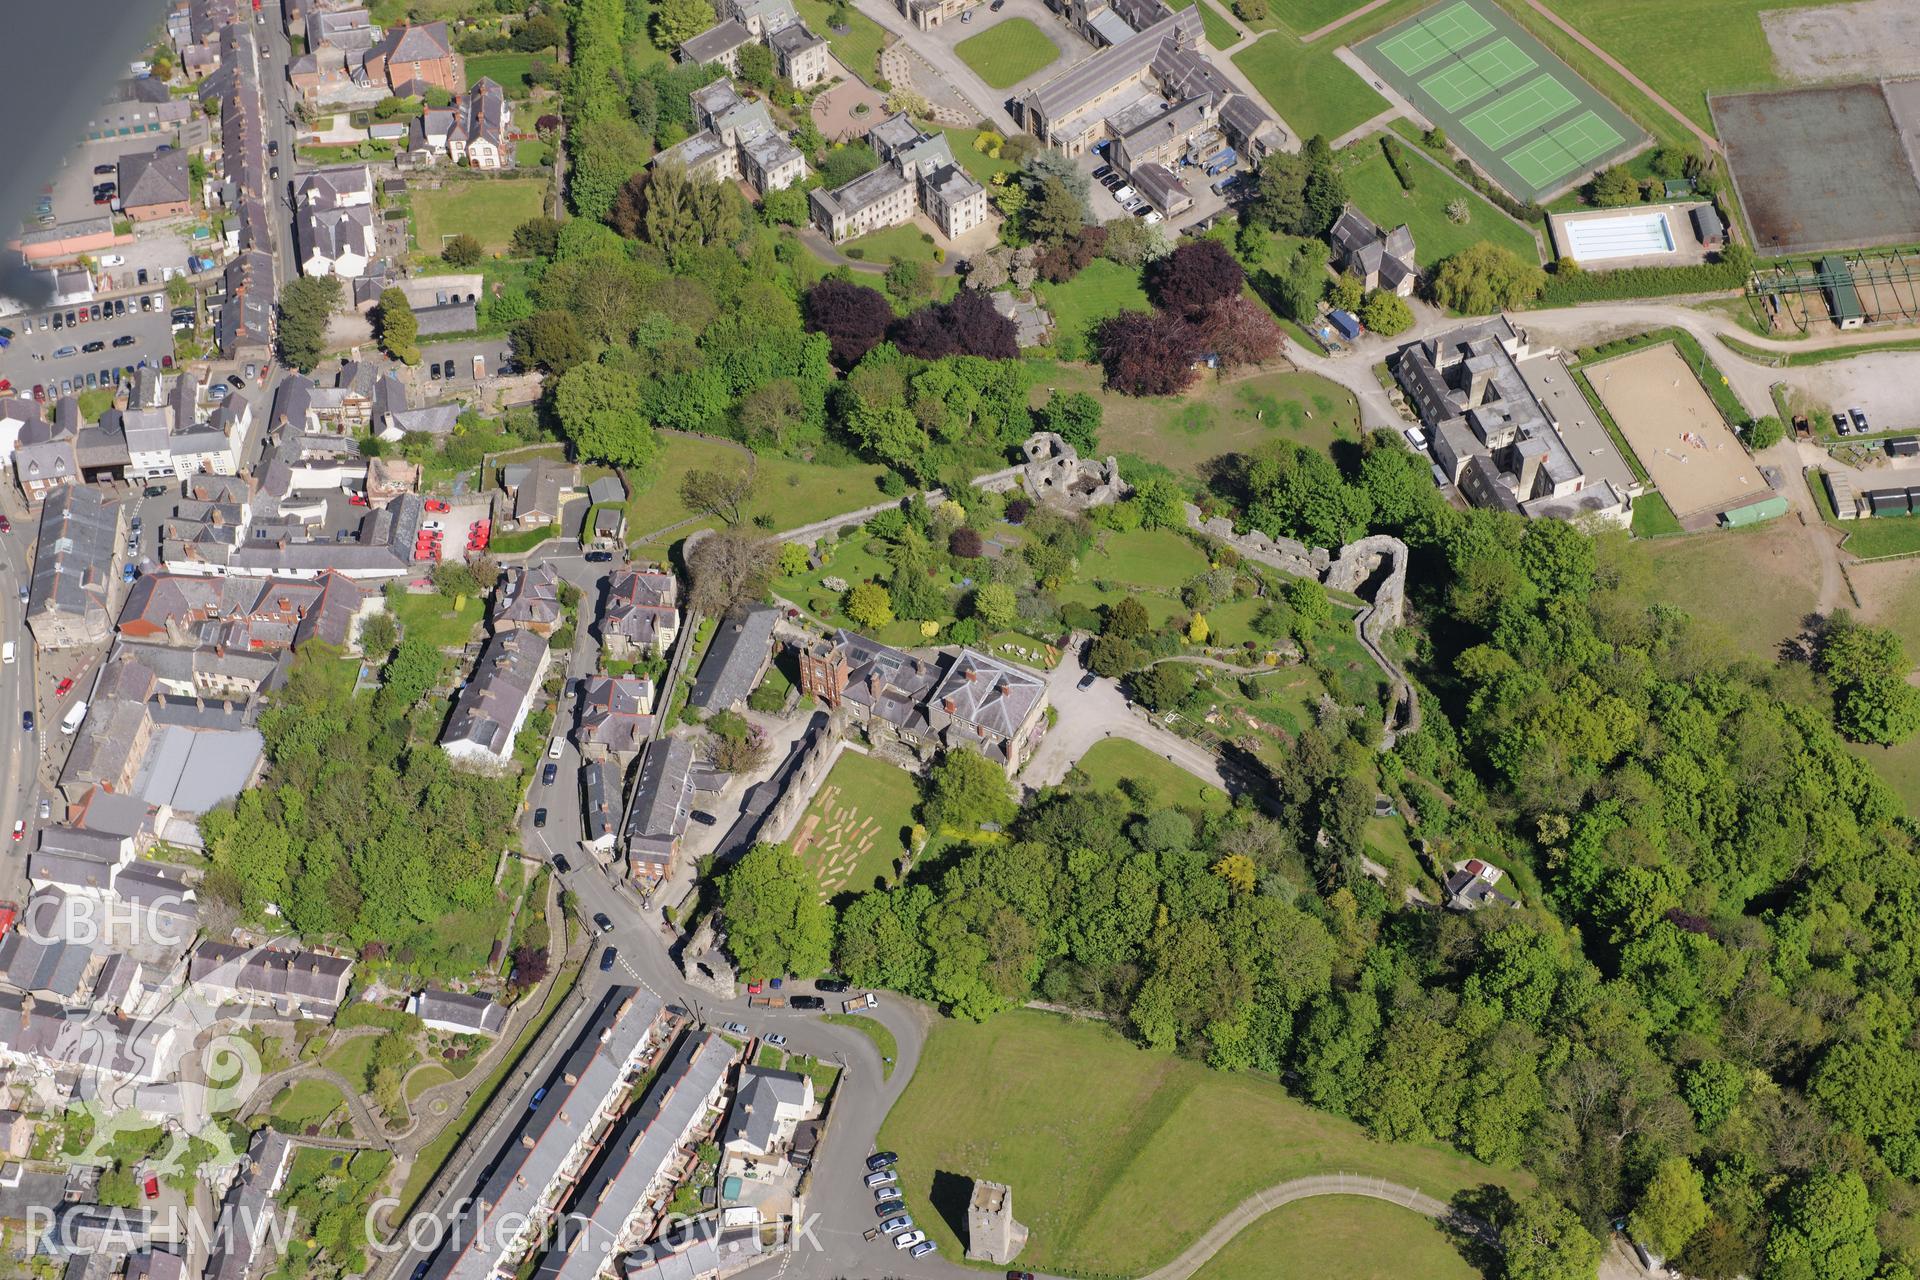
155,491
736,1028
1859,421
882,1160
46,809
1102,173
560,861
548,774
909,1240
19,829
107,169
891,1205
777,1040
900,1223
119,306
607,958
437,507
835,985
702,817
922,1249
603,922
881,1178
26,722
598,557
539,817
1087,680
125,340
61,353
64,688
806,1002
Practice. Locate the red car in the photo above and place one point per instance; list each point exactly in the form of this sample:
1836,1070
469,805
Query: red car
437,507
6,525
64,688
753,988
40,392
6,384
356,499
9,912
152,1188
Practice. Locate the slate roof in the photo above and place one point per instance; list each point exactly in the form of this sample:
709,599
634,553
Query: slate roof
755,1115
639,603
662,796
154,177
734,659
502,683
716,42
307,976
73,557
529,595
611,713
479,1015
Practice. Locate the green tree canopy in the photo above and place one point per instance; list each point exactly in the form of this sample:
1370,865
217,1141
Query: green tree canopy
777,923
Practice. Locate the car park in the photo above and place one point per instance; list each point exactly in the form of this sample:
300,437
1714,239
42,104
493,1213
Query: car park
607,958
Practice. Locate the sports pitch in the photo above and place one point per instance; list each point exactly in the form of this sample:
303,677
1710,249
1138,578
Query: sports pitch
1518,112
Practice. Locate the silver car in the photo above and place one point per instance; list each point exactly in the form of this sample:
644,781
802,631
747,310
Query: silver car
901,1223
881,1177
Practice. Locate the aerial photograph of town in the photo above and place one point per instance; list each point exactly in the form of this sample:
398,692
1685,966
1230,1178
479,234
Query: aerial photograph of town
925,639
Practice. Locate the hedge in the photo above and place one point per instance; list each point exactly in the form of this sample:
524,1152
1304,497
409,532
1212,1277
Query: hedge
1642,282
1398,161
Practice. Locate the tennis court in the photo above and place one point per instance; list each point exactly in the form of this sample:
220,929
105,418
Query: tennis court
1432,38
1478,74
1533,104
1518,112
1569,146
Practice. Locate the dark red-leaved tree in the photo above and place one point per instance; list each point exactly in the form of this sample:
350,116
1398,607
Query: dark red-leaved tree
967,326
965,543
1145,354
1198,273
1238,330
853,317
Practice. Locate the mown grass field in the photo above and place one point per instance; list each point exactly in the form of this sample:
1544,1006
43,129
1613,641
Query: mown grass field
508,70
306,1102
1122,1157
1344,1236
1718,576
792,492
856,828
1007,52
1115,760
859,48
1374,189
1314,92
433,617
486,210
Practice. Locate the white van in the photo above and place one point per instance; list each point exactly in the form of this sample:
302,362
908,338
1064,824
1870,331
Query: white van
555,748
70,723
6,652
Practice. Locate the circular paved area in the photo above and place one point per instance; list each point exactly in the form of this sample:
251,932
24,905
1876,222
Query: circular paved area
836,114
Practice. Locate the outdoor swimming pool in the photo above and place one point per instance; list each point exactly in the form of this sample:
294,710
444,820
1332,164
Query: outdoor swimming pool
1625,235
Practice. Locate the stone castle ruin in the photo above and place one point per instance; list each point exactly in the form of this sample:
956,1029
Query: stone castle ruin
1055,472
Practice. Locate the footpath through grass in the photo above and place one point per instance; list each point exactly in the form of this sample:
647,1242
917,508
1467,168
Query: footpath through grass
1345,1236
1123,1157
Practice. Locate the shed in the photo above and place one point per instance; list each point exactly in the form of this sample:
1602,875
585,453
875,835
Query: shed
1707,227
1887,502
1843,300
1346,322
1904,446
1754,512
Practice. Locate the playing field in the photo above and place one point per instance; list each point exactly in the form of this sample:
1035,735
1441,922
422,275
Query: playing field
1517,110
1677,433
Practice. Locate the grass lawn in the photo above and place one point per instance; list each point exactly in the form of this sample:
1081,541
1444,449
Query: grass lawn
433,617
1115,760
1119,1178
1313,91
1882,536
978,163
531,152
1653,518
876,1031
426,1078
1691,573
858,825
859,49
1145,558
1658,40
1348,1236
509,69
306,1102
1007,52
1215,417
345,153
486,210
904,241
1388,843
354,1059
1093,295
1221,34
1311,15
1372,186
793,492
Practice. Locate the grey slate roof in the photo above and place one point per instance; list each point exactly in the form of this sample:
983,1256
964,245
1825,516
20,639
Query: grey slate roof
646,1140
306,976
657,815
154,177
762,1092
73,557
734,659
502,683
544,1136
242,1226
529,595
477,1014
716,42
611,715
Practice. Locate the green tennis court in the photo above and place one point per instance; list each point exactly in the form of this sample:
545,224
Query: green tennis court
1478,74
1571,145
1433,38
1527,108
